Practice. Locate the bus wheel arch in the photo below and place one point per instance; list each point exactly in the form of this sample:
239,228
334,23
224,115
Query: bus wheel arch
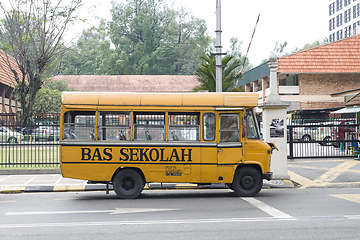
247,180
128,182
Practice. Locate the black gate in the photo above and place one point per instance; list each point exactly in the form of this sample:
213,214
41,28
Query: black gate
337,138
29,146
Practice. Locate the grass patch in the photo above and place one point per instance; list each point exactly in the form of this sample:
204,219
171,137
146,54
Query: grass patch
27,156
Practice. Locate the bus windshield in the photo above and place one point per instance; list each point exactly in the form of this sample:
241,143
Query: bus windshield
252,130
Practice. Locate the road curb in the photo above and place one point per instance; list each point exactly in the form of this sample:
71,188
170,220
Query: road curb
152,186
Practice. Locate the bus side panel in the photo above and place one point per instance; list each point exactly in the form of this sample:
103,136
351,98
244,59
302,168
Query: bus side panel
258,152
209,169
158,164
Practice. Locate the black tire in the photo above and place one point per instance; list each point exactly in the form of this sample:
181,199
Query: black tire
247,182
128,183
12,140
306,138
326,141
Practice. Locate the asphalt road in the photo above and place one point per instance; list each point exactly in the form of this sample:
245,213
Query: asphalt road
307,213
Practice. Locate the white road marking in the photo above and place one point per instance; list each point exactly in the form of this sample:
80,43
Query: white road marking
268,209
149,222
115,211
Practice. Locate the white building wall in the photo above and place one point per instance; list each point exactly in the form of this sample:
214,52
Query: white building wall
344,19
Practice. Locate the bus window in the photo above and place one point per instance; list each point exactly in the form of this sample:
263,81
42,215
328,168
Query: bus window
114,126
184,127
149,126
209,126
251,127
229,128
79,125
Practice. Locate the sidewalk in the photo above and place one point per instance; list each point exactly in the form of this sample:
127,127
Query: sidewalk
56,183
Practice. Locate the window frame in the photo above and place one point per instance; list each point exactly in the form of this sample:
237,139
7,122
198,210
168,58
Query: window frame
237,130
212,127
183,127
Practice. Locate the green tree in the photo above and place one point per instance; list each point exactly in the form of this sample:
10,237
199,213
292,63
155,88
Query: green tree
157,39
235,50
32,32
48,98
311,45
206,74
279,49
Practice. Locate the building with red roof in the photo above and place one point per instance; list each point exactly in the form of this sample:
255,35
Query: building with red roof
308,78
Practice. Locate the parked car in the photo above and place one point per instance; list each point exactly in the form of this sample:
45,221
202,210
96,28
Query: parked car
307,133
7,135
49,133
324,132
341,132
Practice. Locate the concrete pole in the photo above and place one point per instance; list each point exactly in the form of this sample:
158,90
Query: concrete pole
273,64
218,47
274,123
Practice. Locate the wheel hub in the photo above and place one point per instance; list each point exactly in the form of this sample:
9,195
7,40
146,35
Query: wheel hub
247,182
128,183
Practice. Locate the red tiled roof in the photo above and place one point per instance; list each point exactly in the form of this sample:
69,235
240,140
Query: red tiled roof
130,83
338,57
6,76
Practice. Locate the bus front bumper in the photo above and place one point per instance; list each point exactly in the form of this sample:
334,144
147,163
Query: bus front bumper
268,175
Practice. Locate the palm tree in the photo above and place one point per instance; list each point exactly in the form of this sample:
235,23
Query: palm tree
206,74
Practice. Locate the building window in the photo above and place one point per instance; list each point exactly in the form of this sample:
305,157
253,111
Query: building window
332,37
355,25
356,10
289,80
346,2
347,31
347,16
331,9
339,35
332,24
339,20
338,5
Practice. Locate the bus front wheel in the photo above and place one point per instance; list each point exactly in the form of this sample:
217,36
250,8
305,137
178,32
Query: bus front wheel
128,183
247,182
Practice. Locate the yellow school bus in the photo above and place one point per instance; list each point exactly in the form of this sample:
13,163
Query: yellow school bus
130,139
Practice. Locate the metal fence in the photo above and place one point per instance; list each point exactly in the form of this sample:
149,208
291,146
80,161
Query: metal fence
29,146
329,138
36,145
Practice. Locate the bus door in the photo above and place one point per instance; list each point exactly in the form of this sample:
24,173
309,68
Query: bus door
230,146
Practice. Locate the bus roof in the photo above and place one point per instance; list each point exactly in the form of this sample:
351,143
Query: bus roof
224,99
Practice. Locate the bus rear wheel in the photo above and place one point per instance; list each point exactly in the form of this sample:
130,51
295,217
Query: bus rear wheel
128,184
247,182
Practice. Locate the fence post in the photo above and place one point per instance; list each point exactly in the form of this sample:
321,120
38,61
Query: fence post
291,142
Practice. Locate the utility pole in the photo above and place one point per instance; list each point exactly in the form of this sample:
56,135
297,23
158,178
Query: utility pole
218,48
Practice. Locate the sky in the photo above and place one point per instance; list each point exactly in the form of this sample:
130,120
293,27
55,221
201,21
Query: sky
297,22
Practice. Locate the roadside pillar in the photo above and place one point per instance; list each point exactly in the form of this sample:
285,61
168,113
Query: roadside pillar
274,123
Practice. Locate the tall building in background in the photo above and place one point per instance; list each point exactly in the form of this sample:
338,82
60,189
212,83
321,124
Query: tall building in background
344,19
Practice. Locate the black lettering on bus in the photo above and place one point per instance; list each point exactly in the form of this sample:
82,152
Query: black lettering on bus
125,154
133,154
175,155
107,152
183,155
152,158
96,155
143,156
85,154
162,156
